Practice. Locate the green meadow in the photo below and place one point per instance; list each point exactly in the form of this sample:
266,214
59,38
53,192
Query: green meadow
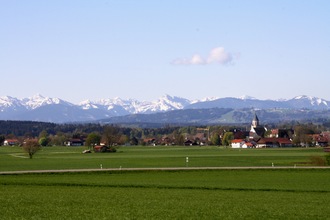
198,194
159,194
55,158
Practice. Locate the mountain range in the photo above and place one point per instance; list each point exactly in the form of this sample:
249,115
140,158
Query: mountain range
40,108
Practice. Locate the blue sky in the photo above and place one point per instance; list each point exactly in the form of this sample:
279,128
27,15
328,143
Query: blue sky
78,50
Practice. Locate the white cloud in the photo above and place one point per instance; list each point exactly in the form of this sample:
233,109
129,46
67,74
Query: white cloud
217,55
197,59
194,60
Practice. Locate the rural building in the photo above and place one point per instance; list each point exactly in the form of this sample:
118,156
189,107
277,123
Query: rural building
282,133
75,142
150,141
320,140
11,142
248,145
103,149
237,143
274,142
240,143
188,143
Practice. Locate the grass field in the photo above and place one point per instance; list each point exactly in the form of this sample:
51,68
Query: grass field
50,158
216,194
180,194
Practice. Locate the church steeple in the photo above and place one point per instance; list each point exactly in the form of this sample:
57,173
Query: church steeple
257,131
255,121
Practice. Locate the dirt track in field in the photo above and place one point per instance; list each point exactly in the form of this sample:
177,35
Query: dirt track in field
161,169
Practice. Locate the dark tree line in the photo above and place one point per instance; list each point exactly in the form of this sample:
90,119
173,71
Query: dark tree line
33,129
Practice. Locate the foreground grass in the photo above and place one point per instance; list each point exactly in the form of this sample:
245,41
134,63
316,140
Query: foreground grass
49,158
217,194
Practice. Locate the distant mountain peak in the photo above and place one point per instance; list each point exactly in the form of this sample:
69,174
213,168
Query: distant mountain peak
39,100
246,97
303,97
8,103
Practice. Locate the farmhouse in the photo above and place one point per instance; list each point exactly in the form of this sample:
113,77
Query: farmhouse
188,143
248,145
320,140
150,141
240,143
274,142
282,133
75,142
11,142
103,149
237,143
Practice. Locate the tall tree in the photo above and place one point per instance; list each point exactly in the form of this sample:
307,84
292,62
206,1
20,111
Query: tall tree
111,135
31,147
43,141
58,139
227,138
43,138
2,139
215,139
93,139
43,133
178,138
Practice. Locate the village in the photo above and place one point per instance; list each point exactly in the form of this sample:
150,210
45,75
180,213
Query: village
258,136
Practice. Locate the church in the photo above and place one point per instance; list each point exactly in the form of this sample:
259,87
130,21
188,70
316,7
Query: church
257,131
257,138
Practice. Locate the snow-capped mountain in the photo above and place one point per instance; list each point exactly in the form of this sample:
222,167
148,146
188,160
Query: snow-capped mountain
165,103
250,102
39,100
132,106
303,101
245,97
42,108
10,104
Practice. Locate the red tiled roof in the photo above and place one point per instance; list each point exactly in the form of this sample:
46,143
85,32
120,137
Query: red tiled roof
11,140
237,141
274,140
284,141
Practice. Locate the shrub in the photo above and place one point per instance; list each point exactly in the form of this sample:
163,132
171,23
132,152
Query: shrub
318,161
327,158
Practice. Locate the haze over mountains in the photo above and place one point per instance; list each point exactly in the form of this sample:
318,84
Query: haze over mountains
40,108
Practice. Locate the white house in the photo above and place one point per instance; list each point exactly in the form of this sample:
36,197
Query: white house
237,143
10,142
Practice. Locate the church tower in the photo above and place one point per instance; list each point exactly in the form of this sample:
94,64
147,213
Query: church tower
257,131
255,121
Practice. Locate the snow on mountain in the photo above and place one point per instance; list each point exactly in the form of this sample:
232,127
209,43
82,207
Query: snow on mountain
246,97
133,106
236,103
303,100
167,103
207,99
87,104
8,103
127,106
39,107
38,100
